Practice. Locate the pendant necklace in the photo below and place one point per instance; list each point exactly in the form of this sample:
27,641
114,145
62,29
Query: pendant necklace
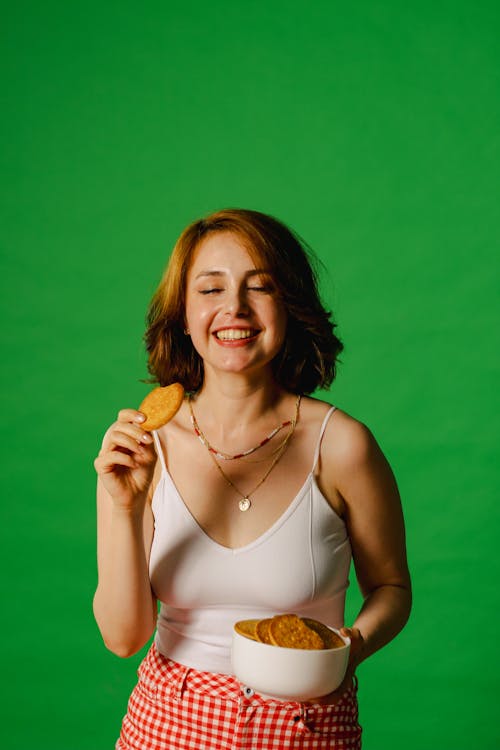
244,503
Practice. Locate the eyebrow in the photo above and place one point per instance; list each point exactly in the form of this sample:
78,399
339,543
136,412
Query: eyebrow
214,272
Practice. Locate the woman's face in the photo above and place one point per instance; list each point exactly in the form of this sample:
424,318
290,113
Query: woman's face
235,318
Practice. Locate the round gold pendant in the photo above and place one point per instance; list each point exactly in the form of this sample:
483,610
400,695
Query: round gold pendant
244,504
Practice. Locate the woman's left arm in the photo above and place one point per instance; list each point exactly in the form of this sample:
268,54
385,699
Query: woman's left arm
372,511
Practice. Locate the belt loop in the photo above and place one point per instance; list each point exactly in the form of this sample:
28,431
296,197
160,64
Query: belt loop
179,686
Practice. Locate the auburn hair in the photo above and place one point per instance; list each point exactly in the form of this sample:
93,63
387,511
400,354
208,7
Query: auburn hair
308,357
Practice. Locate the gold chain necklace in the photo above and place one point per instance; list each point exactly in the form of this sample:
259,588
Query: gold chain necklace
229,456
244,504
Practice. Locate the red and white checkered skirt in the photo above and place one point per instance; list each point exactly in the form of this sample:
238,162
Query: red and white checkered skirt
174,707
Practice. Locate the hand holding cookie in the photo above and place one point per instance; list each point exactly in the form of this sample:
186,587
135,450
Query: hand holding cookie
126,461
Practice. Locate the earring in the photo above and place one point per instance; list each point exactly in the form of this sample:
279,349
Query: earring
186,331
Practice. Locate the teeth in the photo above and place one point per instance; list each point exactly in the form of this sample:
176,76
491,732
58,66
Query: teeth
231,334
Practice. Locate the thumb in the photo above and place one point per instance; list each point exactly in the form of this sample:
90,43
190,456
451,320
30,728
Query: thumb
357,643
353,633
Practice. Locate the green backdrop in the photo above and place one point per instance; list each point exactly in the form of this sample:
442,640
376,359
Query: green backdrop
372,128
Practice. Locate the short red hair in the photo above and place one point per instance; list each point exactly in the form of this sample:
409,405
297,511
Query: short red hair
310,351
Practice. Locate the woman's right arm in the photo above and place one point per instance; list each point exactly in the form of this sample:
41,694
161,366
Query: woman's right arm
124,604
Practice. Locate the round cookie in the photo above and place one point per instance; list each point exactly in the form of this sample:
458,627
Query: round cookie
290,631
262,631
248,628
329,637
160,405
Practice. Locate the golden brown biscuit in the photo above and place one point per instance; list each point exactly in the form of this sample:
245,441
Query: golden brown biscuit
248,628
262,631
329,638
289,631
160,405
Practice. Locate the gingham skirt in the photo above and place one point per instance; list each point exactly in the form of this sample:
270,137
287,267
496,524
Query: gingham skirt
174,707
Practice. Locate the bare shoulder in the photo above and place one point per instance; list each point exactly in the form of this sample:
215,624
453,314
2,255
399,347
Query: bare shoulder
353,465
313,410
348,441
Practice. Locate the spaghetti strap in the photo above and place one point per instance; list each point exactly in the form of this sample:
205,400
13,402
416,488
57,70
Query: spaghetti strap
159,450
320,438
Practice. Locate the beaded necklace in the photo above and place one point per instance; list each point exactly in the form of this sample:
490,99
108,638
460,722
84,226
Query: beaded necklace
228,456
244,503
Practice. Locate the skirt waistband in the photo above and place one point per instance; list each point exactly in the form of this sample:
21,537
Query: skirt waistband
168,676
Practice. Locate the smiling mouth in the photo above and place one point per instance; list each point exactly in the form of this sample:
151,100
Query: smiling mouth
235,334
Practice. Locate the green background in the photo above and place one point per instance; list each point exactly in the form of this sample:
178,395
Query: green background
372,129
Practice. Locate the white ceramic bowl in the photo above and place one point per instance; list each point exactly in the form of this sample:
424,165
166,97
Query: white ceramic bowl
288,673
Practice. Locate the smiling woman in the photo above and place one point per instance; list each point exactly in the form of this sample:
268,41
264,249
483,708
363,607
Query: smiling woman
234,314
276,265
251,501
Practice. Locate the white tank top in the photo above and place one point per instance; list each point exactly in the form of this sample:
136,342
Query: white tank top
300,564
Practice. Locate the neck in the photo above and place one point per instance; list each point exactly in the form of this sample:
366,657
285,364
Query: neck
232,406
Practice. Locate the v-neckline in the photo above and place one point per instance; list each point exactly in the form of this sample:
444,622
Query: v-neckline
290,508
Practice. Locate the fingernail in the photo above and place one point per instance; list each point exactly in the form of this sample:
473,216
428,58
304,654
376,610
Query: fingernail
140,418
146,438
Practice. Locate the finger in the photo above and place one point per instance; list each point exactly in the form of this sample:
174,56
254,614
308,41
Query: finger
347,632
134,432
357,644
125,439
109,461
353,633
144,455
131,415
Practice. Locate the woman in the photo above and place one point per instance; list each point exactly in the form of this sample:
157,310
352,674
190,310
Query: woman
248,503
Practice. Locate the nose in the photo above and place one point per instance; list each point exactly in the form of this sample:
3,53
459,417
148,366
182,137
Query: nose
237,303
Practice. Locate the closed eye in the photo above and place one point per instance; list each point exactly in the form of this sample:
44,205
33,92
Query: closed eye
264,288
214,290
